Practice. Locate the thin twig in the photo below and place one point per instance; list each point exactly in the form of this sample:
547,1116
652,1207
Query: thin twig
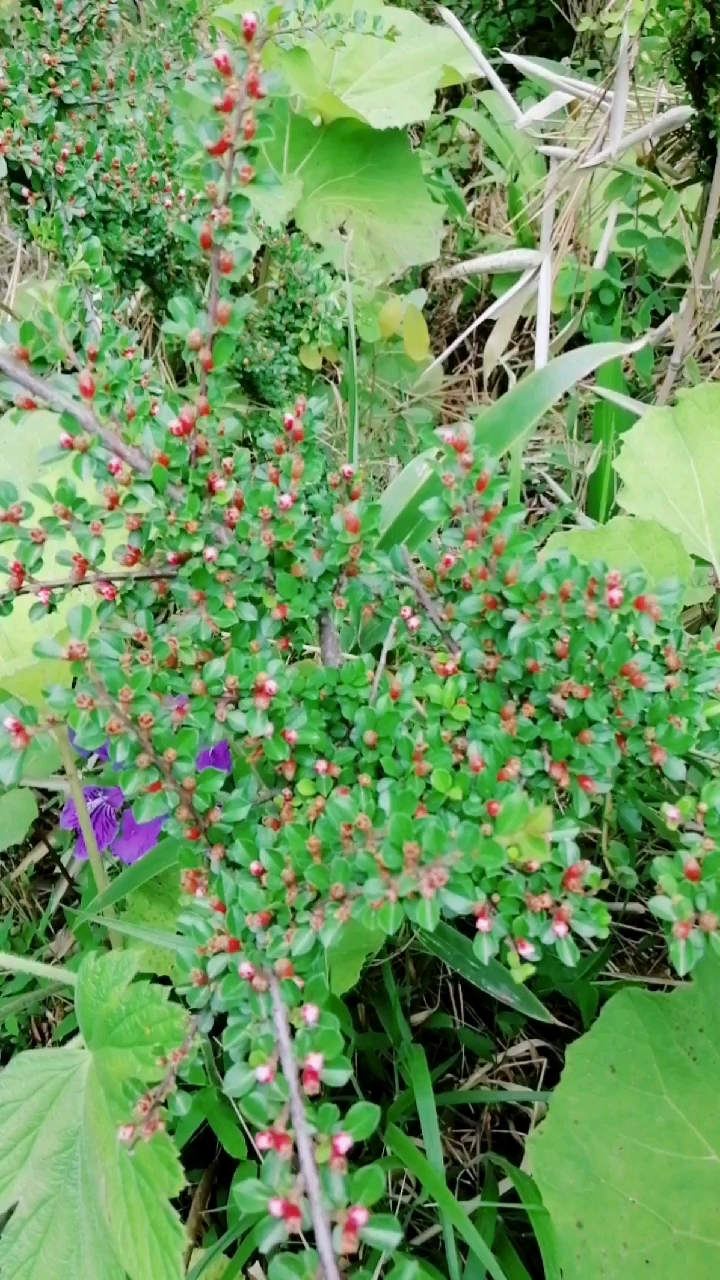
303,1141
56,584
330,651
63,403
427,602
387,646
100,875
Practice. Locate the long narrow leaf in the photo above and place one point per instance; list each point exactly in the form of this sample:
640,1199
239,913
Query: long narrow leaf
143,933
451,946
425,1101
514,415
161,858
401,518
541,1223
491,1097
435,1186
609,421
485,1219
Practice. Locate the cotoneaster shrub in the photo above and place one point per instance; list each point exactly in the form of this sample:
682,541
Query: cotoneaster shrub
331,732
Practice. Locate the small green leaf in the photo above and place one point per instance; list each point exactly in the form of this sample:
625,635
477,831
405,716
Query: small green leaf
18,811
348,954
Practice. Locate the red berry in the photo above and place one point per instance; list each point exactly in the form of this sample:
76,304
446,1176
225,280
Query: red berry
223,313
206,236
494,808
226,262
587,784
352,522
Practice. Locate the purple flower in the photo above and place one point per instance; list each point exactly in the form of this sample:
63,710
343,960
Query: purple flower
217,757
104,805
102,753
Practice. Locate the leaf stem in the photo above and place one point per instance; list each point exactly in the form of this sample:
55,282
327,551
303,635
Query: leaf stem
100,875
23,964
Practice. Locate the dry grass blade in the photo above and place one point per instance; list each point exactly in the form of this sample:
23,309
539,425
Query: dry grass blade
670,120
487,263
486,67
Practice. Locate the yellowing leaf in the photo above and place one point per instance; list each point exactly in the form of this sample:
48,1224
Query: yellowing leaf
310,357
84,1206
416,338
391,316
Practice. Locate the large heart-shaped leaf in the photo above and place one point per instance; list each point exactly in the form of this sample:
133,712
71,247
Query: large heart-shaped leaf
670,467
84,1205
628,1160
386,82
345,180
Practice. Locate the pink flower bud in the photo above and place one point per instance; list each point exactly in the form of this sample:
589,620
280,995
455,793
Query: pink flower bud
525,949
256,869
315,1062
290,736
483,922
66,441
265,1141
286,501
265,1073
414,623
406,613
210,555
246,970
341,1144
358,1217
310,1015
322,767
348,471
271,688
276,1207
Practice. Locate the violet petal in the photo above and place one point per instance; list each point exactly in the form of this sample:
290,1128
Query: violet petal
137,838
217,757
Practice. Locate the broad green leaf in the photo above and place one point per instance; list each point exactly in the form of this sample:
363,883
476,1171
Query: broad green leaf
436,1187
627,543
451,946
628,1159
18,811
669,464
387,83
348,180
350,951
511,418
85,1205
401,519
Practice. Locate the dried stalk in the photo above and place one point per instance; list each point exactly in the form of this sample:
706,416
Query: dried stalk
687,313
